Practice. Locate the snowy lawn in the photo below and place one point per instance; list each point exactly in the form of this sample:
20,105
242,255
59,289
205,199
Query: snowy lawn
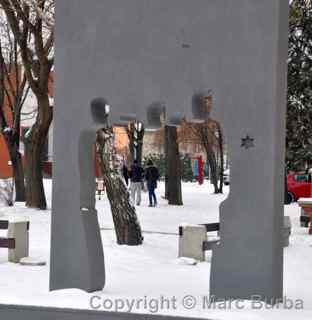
150,278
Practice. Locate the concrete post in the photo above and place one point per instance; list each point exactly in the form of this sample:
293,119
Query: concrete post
18,231
191,241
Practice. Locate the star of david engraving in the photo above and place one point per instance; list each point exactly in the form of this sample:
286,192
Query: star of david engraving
248,142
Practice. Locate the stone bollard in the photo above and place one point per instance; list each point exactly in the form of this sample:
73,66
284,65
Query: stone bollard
19,232
191,241
286,231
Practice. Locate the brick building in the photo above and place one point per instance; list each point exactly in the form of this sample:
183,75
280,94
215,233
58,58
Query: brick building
28,117
5,168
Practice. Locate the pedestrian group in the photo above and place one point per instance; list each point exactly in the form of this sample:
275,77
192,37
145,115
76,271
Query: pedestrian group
141,179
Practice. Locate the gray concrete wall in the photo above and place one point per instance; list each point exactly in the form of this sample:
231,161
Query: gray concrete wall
137,52
252,101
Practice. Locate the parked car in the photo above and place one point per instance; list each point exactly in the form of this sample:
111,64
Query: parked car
298,186
226,177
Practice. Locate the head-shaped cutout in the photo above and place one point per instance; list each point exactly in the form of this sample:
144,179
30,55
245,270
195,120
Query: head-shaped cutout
156,115
99,110
201,105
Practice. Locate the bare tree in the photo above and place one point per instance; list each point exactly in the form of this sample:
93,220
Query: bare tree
127,226
14,89
205,132
209,136
32,25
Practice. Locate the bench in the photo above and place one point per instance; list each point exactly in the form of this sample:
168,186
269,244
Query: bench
194,241
17,239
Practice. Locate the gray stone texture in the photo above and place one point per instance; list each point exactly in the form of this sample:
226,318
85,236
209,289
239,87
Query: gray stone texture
191,242
77,258
18,230
138,52
252,102
286,231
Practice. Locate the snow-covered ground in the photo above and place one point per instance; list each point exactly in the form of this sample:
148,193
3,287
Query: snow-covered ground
150,278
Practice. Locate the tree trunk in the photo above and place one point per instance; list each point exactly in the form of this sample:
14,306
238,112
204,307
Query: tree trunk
166,133
211,158
18,172
174,188
12,144
135,143
19,179
127,226
130,131
140,146
35,196
221,171
11,141
12,138
204,133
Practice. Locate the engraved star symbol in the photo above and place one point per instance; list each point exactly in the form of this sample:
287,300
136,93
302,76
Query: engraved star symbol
248,142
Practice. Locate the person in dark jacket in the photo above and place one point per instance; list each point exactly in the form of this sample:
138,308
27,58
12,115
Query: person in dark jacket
151,177
136,177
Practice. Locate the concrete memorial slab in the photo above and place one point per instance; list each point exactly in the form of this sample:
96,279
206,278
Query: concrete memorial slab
251,108
16,239
140,53
191,241
18,230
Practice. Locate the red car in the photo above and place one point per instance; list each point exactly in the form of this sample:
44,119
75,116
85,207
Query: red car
298,186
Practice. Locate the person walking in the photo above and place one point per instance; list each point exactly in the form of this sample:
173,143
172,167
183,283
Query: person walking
151,177
136,177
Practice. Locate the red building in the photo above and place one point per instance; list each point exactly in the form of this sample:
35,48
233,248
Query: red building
5,165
